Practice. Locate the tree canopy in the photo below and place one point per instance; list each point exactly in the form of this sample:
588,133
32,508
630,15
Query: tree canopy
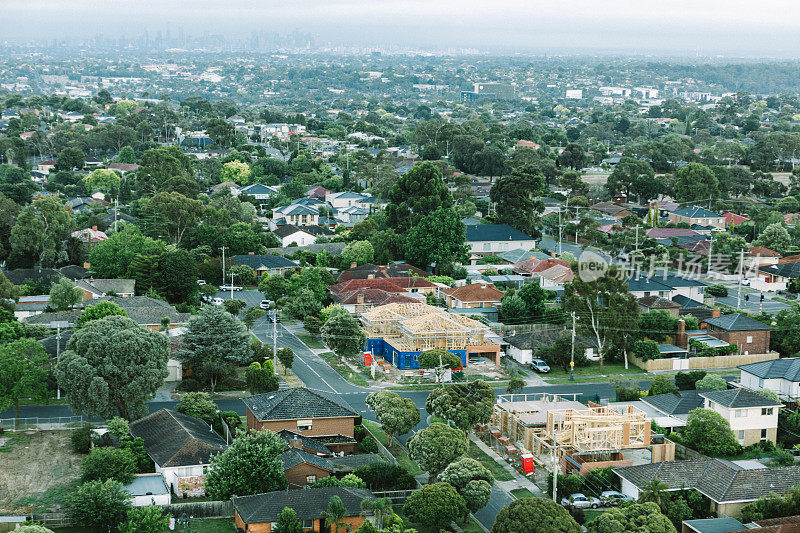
250,465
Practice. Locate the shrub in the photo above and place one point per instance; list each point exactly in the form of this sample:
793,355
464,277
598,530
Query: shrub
81,439
385,476
661,385
646,350
190,385
688,380
312,324
718,291
781,457
233,420
108,463
567,484
711,382
709,433
99,504
628,393
198,405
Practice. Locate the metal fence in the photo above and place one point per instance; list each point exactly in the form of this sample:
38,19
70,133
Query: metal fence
383,450
52,519
397,497
43,423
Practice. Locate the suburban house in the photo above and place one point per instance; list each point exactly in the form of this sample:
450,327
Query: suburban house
753,417
522,345
760,255
612,209
97,288
258,513
309,412
781,376
552,273
666,285
399,285
89,236
181,447
775,277
676,404
148,489
729,486
303,468
370,271
265,264
302,236
657,303
490,239
698,218
345,199
473,295
750,335
259,191
363,299
295,214
732,219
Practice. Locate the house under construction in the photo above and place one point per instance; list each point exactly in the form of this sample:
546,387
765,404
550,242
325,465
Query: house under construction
399,332
583,437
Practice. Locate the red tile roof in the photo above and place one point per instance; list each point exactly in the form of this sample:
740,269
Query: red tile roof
733,218
477,292
371,296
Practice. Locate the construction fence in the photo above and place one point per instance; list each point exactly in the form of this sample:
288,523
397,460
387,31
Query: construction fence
43,423
702,363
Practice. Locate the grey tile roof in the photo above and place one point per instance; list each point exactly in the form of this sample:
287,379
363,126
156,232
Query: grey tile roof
174,439
715,525
307,503
292,457
697,212
738,322
675,403
104,286
58,316
293,404
788,369
144,310
311,443
738,398
495,232
263,262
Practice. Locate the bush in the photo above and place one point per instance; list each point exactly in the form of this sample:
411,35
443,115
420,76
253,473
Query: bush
108,463
719,291
661,385
567,484
198,405
312,324
628,393
711,382
385,476
646,350
709,433
190,385
261,379
81,439
687,381
233,420
99,504
782,457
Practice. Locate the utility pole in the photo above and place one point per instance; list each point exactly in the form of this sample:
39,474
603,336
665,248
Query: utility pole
223,263
555,471
275,336
572,357
559,232
741,274
637,235
231,285
710,247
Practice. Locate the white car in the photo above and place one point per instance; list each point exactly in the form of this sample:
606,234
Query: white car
264,304
746,282
201,282
540,366
217,301
230,287
612,498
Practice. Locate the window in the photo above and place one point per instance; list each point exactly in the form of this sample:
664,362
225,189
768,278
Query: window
740,434
741,413
308,523
766,411
761,383
311,479
749,339
304,425
763,434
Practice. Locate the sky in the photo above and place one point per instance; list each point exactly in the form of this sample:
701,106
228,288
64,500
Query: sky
768,28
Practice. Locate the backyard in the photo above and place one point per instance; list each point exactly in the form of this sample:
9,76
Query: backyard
497,470
205,525
37,471
399,452
593,372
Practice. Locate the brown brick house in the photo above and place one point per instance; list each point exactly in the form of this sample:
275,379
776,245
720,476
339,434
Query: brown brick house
257,513
308,412
472,296
303,468
750,335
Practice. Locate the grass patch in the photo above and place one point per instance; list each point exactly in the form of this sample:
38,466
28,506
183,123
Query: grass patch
15,439
196,525
522,493
398,451
431,386
311,341
471,527
497,470
346,372
593,370
52,498
591,514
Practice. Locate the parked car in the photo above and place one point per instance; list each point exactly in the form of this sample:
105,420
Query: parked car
230,287
612,498
540,366
580,501
746,282
201,282
274,317
217,301
264,304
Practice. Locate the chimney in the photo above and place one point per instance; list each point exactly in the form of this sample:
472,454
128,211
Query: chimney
353,265
296,443
680,337
370,276
715,313
251,253
360,298
87,265
94,228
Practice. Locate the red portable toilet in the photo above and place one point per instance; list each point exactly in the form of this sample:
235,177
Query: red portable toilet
367,359
527,463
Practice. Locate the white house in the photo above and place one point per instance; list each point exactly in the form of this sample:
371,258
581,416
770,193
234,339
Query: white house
302,236
181,447
781,376
488,239
753,417
148,489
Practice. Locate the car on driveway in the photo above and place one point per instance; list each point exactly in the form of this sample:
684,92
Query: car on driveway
612,498
201,282
230,287
264,304
217,301
580,501
540,366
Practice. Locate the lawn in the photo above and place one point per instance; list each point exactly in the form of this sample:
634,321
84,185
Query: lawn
471,527
347,373
398,451
197,525
497,470
311,341
522,493
593,370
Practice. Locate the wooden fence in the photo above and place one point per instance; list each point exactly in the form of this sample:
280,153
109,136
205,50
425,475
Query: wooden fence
684,452
221,509
702,363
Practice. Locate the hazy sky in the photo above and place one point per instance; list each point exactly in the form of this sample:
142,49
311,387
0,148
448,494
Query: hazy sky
707,27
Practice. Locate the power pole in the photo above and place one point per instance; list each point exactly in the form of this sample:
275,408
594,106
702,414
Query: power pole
637,235
231,285
555,471
741,274
572,357
223,263
559,232
710,247
275,337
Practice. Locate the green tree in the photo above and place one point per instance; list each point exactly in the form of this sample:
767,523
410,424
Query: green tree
100,504
103,180
334,515
165,169
108,463
417,193
381,508
112,258
39,232
640,517
149,519
8,291
288,522
249,466
127,155
113,366
775,237
173,213
342,333
198,405
516,196
176,275
70,159
302,304
656,325
251,315
472,480
23,373
273,287
119,428
695,182
439,359
708,432
99,311
534,515
220,131
64,295
655,492
436,446
286,357
438,237
216,334
627,172
711,382
237,172
261,378
358,252
662,385
435,505
397,415
234,306
515,383
463,404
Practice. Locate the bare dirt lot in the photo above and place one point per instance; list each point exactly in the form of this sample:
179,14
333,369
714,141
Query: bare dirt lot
36,470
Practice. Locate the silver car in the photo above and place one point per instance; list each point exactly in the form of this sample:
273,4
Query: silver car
612,498
580,501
